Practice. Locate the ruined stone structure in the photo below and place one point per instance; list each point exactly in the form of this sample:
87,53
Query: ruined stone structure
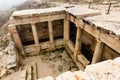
70,27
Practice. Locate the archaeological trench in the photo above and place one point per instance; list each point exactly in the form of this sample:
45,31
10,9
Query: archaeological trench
88,37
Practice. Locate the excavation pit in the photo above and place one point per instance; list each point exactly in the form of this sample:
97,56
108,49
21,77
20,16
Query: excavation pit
51,63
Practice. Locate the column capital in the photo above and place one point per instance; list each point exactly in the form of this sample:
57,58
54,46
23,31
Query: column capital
50,20
76,25
98,40
67,16
33,23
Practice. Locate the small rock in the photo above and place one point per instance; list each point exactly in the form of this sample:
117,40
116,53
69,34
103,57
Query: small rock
60,68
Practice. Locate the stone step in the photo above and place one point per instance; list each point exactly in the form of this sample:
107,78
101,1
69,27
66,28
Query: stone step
34,70
28,69
83,60
47,78
31,71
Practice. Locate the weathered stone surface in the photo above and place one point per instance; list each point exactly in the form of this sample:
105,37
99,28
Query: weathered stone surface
47,78
20,75
83,60
81,75
3,63
8,58
2,71
28,69
66,76
117,61
106,70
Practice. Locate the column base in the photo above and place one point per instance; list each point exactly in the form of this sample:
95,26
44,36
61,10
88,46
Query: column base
76,53
38,48
66,42
52,45
22,52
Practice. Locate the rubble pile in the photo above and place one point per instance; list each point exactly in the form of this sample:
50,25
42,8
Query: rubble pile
8,59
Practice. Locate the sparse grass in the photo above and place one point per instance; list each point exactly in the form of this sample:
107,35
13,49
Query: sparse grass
43,52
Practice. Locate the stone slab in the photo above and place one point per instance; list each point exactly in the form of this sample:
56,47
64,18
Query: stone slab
20,75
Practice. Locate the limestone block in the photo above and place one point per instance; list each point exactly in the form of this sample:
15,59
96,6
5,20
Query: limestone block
83,60
2,71
66,76
3,60
20,75
106,70
28,69
11,61
47,78
1,53
3,63
9,37
34,70
10,46
81,75
117,61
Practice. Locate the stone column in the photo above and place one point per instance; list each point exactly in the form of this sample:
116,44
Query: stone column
35,35
97,52
15,35
66,30
51,36
78,42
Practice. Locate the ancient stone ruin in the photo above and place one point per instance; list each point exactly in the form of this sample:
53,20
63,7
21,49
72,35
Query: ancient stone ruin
86,36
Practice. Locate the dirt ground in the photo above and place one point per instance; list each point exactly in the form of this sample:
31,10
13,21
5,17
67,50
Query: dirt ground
51,63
